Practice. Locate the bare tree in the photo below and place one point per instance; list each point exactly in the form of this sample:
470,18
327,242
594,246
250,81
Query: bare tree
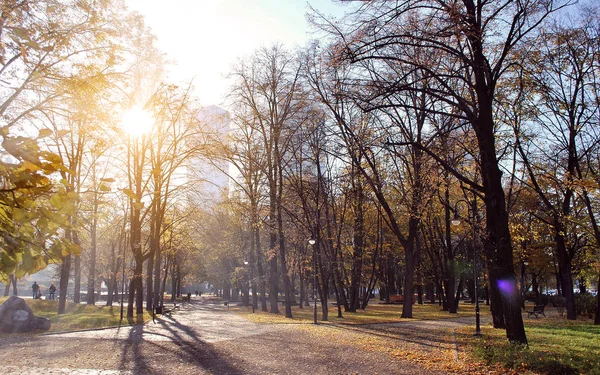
474,41
559,96
269,87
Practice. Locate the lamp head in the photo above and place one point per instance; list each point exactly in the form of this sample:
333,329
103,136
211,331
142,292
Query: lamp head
311,242
456,219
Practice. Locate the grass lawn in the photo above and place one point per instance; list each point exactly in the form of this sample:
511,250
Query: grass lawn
79,316
375,313
556,345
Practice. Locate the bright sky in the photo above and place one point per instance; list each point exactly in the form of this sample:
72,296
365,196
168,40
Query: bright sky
206,37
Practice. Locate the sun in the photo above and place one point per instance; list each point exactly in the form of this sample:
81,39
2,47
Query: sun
136,121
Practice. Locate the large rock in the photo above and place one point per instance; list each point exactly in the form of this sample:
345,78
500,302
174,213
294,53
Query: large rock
16,316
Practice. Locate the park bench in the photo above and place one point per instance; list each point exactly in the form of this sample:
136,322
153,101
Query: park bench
163,310
537,311
399,299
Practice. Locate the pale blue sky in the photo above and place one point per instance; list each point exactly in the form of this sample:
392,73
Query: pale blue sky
205,37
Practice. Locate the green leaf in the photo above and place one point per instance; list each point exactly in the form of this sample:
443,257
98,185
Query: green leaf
75,249
33,44
104,188
7,261
45,133
130,194
30,166
42,224
62,202
18,215
27,261
21,33
20,272
51,157
39,264
73,196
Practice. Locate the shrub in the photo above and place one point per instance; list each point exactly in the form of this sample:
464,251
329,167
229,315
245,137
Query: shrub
557,300
585,304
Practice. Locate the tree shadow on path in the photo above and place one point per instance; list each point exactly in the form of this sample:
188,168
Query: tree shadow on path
427,337
183,349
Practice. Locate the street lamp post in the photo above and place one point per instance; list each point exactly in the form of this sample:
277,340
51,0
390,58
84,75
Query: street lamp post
456,221
312,242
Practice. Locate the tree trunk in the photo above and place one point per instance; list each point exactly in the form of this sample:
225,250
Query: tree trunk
173,281
164,283
150,280
112,282
92,265
323,290
65,273
259,265
252,262
77,279
411,255
136,290
450,262
597,317
461,282
158,267
11,280
226,290
566,276
154,256
273,276
282,255
357,255
373,278
7,286
499,251
302,291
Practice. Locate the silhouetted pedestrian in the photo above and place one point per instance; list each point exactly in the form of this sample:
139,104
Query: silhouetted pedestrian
35,289
52,291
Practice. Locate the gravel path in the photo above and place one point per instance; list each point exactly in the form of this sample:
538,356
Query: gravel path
205,338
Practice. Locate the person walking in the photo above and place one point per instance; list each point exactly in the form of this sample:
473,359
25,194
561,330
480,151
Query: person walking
51,291
35,289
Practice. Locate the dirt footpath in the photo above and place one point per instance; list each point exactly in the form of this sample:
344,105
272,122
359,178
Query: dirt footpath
205,338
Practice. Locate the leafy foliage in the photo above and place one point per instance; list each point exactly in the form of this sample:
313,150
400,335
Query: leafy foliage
33,210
